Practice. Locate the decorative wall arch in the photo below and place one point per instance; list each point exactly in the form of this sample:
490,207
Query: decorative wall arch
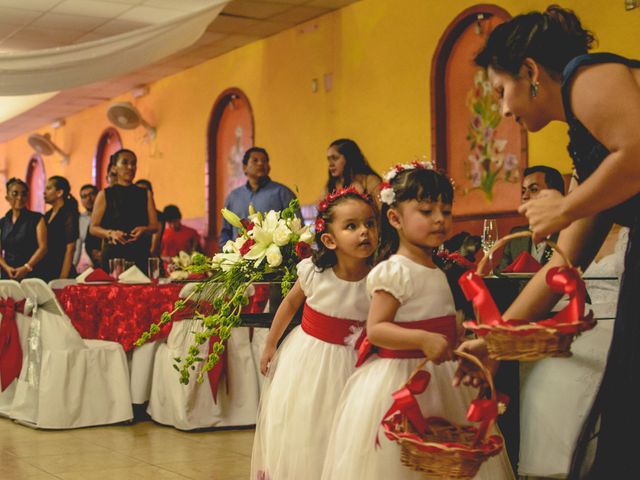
108,144
456,85
230,133
36,179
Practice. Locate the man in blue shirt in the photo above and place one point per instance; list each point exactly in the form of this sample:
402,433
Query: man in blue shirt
260,191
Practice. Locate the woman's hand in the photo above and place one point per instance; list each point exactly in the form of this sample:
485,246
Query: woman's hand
436,347
11,272
545,214
467,372
267,354
136,233
118,236
20,273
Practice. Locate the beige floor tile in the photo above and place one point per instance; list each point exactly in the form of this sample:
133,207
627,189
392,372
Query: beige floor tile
146,472
213,468
85,461
54,446
16,469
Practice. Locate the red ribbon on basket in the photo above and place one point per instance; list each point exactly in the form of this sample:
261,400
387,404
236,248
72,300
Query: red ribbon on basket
485,411
564,280
10,349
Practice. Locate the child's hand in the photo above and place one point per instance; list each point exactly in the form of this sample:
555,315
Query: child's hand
436,348
468,373
267,354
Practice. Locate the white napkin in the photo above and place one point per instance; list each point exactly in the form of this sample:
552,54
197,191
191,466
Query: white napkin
81,278
133,275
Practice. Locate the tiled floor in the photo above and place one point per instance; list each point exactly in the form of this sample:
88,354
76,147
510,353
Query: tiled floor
143,450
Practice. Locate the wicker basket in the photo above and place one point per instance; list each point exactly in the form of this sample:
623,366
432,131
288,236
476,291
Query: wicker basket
445,449
520,340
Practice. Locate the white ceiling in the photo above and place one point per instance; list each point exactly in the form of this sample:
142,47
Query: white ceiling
36,24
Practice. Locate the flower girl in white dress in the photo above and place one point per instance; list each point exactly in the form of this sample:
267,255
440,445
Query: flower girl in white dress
412,316
307,373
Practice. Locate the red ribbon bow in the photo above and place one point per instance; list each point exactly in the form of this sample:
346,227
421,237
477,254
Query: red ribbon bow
485,411
10,349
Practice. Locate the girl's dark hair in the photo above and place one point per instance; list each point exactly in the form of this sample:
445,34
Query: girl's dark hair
552,38
356,163
61,183
419,184
16,181
323,257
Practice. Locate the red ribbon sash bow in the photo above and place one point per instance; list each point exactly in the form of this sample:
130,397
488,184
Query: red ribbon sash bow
328,329
10,349
444,325
476,291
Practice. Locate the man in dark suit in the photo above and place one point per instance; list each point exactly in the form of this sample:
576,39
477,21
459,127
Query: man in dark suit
534,180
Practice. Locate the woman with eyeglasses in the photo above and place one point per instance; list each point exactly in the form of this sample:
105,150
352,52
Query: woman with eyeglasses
23,234
349,167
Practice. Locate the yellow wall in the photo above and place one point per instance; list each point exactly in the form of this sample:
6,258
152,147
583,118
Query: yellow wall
379,52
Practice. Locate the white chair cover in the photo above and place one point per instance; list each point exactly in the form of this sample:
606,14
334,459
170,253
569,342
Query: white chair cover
188,407
11,289
68,382
60,283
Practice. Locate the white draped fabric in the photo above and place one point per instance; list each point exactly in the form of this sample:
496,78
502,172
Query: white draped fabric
51,69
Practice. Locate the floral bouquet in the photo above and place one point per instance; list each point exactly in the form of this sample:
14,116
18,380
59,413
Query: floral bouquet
180,266
268,248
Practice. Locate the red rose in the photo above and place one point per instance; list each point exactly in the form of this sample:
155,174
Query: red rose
303,250
246,246
320,225
323,205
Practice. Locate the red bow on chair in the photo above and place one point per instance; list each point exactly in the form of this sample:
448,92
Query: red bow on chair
10,349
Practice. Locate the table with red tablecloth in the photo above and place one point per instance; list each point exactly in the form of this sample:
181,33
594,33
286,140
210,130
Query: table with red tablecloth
118,312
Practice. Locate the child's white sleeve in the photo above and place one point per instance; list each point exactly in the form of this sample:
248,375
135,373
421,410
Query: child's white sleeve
391,277
306,272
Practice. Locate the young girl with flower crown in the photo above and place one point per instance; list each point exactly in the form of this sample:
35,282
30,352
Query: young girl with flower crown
309,370
412,316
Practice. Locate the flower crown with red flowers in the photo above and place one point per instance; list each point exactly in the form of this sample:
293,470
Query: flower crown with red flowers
387,195
331,198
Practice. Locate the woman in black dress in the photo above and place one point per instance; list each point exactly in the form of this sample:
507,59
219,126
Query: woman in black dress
23,234
124,214
540,66
62,230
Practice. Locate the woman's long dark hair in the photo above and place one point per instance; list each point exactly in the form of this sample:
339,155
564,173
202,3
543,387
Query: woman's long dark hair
355,163
552,38
418,184
323,257
61,183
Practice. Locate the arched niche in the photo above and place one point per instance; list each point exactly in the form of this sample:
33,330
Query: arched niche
464,140
108,144
230,134
36,179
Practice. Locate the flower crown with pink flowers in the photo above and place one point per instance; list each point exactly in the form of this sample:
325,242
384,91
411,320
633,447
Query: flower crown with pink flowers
332,197
387,195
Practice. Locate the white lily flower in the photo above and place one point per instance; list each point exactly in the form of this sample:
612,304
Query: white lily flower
274,256
231,217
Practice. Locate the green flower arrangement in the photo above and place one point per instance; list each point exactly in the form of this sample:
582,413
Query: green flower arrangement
268,248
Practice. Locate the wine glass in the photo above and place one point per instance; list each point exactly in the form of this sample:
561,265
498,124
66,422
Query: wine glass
489,237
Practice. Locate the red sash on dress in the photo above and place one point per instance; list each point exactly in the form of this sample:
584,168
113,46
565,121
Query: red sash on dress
10,349
328,329
444,325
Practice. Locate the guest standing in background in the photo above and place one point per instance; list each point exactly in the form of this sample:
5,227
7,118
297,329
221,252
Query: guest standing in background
124,215
62,230
348,167
260,191
156,238
88,247
177,237
23,234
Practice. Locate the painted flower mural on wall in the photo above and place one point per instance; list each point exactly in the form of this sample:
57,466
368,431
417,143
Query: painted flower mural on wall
488,161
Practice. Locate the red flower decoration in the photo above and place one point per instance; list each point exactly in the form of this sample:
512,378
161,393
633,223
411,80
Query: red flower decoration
247,224
320,225
384,185
246,246
303,250
399,168
323,205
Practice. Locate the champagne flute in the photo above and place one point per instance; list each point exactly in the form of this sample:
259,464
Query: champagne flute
489,236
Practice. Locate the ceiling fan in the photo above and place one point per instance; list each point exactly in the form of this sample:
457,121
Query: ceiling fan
43,145
125,115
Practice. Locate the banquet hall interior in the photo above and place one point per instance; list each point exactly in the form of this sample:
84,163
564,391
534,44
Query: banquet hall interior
189,86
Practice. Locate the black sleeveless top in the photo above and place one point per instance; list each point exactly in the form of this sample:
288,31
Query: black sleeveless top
126,208
19,240
585,150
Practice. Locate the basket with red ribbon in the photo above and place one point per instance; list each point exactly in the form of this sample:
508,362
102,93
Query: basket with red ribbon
436,446
521,339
